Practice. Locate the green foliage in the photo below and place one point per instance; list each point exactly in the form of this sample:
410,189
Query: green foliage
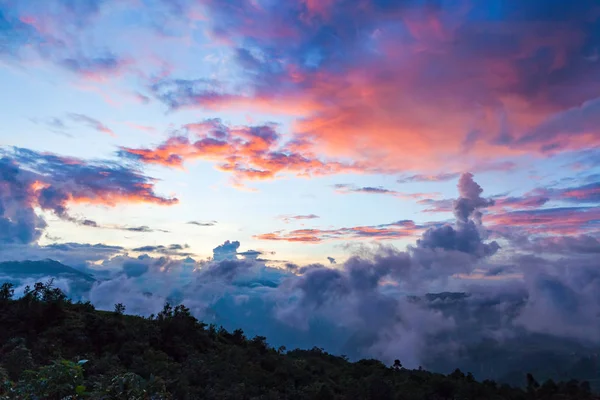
16,358
129,386
59,380
5,384
174,356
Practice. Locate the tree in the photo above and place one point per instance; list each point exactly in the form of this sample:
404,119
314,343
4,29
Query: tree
16,360
445,388
166,313
238,337
548,389
324,393
457,374
6,292
119,309
572,387
585,388
130,386
5,384
44,292
532,384
260,343
378,388
51,294
59,380
397,364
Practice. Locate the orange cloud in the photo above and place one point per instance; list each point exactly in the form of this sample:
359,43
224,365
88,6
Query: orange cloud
56,182
247,152
409,87
397,230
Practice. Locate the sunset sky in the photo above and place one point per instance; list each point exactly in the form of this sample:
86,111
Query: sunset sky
300,128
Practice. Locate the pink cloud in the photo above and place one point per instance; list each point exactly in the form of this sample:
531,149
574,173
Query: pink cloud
557,221
438,88
398,230
247,152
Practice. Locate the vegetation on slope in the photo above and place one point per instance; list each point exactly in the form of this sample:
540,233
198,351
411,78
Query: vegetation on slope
52,348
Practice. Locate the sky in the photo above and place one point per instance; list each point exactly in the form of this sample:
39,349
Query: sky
301,129
304,133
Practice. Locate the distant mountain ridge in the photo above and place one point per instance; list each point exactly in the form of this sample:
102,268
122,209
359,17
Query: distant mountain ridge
43,267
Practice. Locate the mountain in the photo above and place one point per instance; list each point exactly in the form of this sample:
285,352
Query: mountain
48,268
509,352
76,283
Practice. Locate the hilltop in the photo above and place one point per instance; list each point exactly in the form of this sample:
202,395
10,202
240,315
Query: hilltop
53,348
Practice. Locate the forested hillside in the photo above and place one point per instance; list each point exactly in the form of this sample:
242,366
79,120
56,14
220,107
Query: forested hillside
52,348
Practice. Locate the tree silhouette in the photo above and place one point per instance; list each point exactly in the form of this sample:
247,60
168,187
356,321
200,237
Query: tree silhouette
532,384
6,292
119,308
397,364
